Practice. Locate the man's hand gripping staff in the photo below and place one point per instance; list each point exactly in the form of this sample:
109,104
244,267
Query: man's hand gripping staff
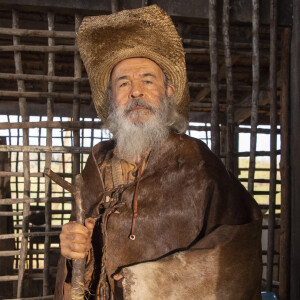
75,238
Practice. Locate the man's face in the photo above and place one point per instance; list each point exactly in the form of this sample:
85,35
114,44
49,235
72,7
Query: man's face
134,79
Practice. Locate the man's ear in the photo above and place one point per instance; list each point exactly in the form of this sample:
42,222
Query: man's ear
170,90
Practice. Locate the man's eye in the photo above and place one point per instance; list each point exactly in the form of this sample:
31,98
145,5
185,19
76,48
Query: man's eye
147,81
123,84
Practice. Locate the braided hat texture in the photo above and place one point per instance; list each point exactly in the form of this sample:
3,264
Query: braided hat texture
148,32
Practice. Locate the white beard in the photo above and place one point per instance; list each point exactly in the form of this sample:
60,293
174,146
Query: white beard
133,136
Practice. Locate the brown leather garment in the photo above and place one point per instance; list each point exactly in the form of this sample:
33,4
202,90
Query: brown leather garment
197,233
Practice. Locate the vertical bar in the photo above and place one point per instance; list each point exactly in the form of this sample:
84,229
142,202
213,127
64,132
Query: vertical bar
63,172
255,93
26,167
76,103
236,170
215,131
294,125
39,162
229,89
114,6
273,139
285,232
51,68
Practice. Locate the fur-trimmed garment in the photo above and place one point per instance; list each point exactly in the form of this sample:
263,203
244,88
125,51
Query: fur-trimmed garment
197,233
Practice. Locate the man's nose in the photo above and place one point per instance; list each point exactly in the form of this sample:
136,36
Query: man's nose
136,91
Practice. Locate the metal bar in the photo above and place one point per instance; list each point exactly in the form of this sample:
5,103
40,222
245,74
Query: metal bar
285,233
255,92
273,141
215,130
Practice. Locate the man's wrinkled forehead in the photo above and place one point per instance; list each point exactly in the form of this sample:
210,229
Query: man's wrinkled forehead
145,66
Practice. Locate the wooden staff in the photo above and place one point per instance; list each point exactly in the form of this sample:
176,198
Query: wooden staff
77,289
76,103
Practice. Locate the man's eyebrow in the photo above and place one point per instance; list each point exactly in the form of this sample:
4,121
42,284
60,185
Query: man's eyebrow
122,77
149,74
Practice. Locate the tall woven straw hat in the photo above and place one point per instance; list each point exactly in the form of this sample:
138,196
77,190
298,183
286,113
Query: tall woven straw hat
148,32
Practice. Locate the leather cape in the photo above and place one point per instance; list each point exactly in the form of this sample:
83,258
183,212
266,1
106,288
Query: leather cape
198,231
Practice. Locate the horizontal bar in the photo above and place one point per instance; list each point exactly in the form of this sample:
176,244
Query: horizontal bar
6,148
44,95
257,153
9,278
61,48
34,298
10,253
204,43
28,234
70,48
13,76
10,213
258,180
222,53
258,130
37,33
48,124
221,86
21,174
257,169
7,201
266,206
30,251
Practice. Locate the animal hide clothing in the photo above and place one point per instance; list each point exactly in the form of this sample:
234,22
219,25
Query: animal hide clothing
198,231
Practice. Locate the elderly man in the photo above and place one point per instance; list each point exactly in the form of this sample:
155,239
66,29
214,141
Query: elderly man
164,218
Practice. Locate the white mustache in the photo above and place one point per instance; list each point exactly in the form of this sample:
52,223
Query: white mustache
139,102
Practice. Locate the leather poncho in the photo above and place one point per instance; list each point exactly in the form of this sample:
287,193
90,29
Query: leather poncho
198,231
